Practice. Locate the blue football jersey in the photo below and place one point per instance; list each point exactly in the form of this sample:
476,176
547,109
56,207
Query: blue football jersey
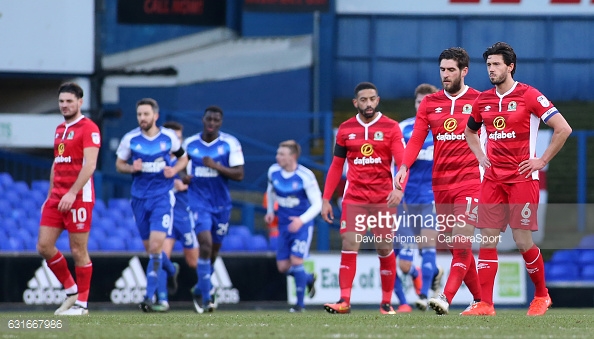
181,198
155,155
418,188
208,190
290,191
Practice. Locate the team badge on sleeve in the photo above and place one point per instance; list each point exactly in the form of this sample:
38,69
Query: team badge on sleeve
96,138
543,101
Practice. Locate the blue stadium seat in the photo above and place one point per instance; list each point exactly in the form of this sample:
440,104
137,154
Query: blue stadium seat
106,224
11,244
587,273
5,208
257,243
565,256
93,245
41,186
5,179
273,243
587,242
30,225
63,244
118,203
19,214
232,243
113,244
128,223
13,198
114,214
31,245
120,233
586,257
239,230
135,244
97,234
24,234
99,208
38,198
22,188
562,272
9,225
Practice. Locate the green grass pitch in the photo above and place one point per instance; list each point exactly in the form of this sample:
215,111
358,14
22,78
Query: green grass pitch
557,323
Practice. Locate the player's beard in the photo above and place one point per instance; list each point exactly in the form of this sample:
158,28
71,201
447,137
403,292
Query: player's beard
148,126
454,86
366,115
70,114
498,80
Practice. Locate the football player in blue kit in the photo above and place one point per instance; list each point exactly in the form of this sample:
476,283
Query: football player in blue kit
149,147
295,188
215,158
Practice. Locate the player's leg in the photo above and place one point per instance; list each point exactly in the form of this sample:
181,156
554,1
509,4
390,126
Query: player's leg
404,307
49,232
387,259
299,248
493,215
219,230
431,274
524,199
348,258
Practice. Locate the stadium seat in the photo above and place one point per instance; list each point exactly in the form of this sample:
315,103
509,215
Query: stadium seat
19,214
565,256
30,225
41,186
22,188
587,273
239,230
9,225
63,244
258,243
99,209
135,244
562,272
98,234
11,244
232,243
106,224
273,243
31,245
5,179
13,198
120,233
38,198
586,257
93,245
5,208
113,244
118,204
587,242
29,205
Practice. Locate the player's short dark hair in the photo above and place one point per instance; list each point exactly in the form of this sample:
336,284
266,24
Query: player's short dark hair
149,101
174,125
506,51
213,108
425,89
293,146
364,85
458,54
71,87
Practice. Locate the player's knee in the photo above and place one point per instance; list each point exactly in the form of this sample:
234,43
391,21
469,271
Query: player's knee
45,249
205,252
404,266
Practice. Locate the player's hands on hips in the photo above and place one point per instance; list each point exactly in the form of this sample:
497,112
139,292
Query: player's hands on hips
295,224
327,213
137,165
394,198
400,177
66,202
484,162
168,172
269,218
531,165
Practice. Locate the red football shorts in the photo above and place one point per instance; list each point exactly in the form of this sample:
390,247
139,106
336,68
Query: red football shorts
378,219
457,205
78,219
515,204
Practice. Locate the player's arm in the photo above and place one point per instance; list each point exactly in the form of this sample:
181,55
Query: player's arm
332,179
561,130
315,199
415,144
124,153
236,162
472,138
182,162
51,181
270,196
233,173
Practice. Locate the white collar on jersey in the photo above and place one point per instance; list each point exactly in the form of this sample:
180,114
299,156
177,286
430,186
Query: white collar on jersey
74,122
379,115
457,96
508,92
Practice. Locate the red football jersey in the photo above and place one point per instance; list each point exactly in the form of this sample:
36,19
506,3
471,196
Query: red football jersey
371,151
69,144
511,121
454,164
